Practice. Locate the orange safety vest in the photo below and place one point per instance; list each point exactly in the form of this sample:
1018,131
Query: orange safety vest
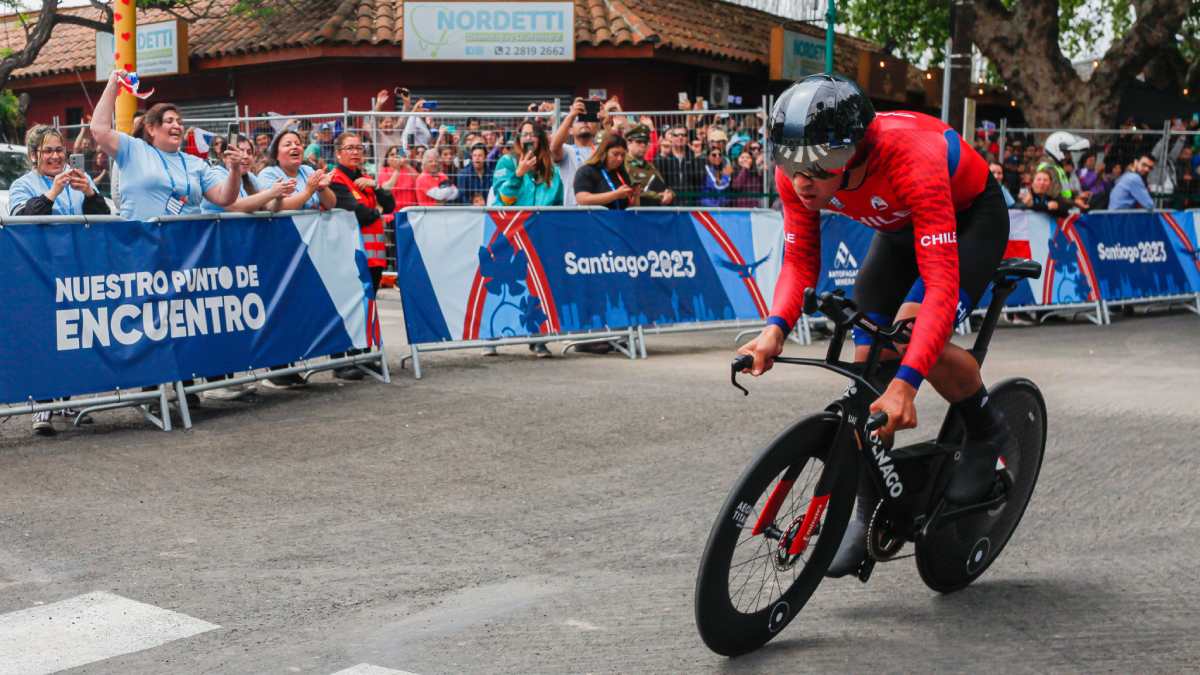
374,239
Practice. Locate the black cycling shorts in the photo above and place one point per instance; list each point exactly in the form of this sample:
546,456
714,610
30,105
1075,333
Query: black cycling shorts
889,276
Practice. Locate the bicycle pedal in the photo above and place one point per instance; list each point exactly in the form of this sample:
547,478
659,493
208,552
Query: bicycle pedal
864,569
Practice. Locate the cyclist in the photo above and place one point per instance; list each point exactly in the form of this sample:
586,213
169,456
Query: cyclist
941,229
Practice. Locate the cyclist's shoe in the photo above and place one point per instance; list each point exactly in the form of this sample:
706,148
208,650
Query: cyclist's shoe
853,549
975,473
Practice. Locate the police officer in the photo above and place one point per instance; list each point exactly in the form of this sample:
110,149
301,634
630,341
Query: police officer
1059,146
642,172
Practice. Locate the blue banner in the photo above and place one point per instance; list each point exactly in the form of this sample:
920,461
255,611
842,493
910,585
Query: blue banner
129,304
467,275
1141,255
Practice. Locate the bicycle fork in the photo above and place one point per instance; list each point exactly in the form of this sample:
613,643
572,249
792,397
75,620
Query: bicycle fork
816,505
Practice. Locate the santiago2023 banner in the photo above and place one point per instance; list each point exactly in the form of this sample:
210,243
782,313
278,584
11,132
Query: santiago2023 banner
127,304
467,275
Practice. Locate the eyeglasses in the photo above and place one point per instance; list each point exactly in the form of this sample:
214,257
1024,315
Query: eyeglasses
755,148
53,151
353,148
714,154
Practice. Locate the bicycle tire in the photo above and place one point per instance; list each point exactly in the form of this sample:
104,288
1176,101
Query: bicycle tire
952,557
723,625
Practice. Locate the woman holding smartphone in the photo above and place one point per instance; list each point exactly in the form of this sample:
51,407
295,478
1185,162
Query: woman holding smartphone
603,181
528,175
52,187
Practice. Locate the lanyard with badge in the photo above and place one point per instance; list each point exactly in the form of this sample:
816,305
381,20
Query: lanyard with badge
176,201
611,186
69,211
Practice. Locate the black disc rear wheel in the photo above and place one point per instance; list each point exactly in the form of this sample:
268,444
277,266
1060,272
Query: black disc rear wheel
750,586
952,556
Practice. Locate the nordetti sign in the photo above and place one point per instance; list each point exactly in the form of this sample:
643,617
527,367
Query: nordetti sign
162,49
489,31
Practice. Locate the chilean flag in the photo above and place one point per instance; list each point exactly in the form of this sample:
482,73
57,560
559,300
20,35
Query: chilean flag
197,142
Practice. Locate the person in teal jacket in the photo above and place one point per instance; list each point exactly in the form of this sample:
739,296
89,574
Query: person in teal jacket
528,175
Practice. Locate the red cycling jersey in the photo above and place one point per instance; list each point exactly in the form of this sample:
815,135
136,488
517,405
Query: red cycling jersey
920,172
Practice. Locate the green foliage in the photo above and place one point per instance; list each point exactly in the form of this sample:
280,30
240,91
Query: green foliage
920,27
913,28
10,109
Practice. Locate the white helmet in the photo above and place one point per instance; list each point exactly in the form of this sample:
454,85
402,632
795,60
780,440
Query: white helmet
1061,142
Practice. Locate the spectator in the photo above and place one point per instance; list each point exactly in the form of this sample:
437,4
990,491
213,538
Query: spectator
355,191
382,129
998,174
1162,177
448,157
1088,176
262,141
50,187
756,151
644,175
1185,179
156,178
398,175
475,179
597,181
528,175
251,197
433,187
319,146
747,181
717,140
1042,197
678,165
416,130
716,179
284,156
696,145
1130,190
571,156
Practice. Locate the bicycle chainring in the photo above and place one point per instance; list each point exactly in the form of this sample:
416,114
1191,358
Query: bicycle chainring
883,541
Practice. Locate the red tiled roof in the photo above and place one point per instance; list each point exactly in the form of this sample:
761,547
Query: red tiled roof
710,27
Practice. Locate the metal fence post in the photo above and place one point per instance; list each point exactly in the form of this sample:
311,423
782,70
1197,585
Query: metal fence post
557,114
1001,140
345,113
768,102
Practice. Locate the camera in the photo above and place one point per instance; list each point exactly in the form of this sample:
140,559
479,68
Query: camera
402,92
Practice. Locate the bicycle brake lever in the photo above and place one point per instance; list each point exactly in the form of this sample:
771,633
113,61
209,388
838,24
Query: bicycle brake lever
743,362
877,421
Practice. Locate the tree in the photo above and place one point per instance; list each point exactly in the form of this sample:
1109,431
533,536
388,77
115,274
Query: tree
1025,41
39,26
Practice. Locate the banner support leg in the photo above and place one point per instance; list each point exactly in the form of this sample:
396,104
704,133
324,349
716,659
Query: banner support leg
416,359
383,365
164,408
642,340
633,344
181,399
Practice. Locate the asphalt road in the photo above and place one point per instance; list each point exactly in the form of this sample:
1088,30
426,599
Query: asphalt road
515,515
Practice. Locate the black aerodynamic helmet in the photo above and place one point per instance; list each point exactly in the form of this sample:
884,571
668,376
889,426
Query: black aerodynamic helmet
817,124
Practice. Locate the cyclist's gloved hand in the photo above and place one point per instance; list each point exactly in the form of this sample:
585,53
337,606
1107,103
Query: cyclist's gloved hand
764,349
897,402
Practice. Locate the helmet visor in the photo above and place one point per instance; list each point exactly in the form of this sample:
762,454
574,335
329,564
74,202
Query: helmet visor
814,161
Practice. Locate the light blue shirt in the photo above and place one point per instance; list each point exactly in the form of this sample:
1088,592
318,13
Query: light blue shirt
33,184
149,177
273,174
1008,199
209,207
1130,192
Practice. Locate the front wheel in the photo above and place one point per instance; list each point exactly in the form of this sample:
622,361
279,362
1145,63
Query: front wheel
775,537
956,554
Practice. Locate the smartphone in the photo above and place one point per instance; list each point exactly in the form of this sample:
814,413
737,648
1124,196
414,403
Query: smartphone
591,111
431,105
401,91
683,97
232,135
527,147
76,161
410,140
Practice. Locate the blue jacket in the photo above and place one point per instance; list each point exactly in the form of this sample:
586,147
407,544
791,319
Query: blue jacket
1130,193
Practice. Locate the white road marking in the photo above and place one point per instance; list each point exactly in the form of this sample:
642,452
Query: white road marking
581,625
86,629
368,669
